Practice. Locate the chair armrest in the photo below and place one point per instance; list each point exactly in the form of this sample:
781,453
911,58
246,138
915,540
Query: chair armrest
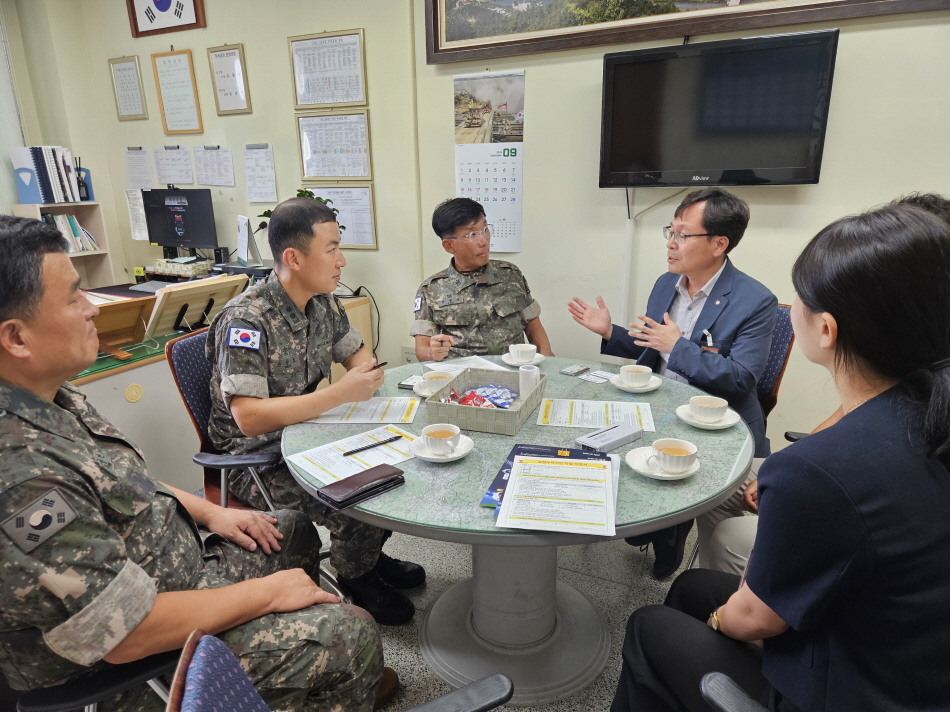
794,437
724,695
99,686
485,694
226,462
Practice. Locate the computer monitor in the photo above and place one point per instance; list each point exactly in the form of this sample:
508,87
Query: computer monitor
180,218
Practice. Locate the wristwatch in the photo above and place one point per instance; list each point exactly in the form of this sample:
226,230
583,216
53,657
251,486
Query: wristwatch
713,621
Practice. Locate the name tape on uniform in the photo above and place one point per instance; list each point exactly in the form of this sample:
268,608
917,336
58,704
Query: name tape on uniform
244,338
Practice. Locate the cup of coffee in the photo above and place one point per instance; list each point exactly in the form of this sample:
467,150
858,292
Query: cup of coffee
431,382
671,455
523,353
441,439
708,409
636,376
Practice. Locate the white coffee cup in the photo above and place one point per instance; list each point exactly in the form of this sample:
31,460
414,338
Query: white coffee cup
636,376
665,456
431,382
708,409
523,353
441,445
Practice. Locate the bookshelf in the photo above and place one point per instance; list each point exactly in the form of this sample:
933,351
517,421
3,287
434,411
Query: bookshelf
94,266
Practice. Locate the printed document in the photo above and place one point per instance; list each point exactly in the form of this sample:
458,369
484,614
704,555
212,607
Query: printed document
594,414
375,410
560,495
460,364
326,464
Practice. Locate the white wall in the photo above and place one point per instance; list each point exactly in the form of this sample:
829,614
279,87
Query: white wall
886,136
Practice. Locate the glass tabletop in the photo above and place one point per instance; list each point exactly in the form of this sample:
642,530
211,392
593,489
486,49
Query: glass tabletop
441,500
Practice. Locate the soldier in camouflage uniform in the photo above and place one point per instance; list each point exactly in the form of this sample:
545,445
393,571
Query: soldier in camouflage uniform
101,564
477,306
271,347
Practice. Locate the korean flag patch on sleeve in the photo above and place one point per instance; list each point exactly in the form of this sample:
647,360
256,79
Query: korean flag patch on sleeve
244,338
418,304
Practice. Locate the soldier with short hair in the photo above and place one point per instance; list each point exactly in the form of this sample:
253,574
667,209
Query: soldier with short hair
477,306
271,347
102,564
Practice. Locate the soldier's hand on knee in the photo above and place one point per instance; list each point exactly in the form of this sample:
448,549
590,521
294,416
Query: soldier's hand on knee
293,589
246,529
439,346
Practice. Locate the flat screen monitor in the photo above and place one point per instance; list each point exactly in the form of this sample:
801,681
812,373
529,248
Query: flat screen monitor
180,218
737,112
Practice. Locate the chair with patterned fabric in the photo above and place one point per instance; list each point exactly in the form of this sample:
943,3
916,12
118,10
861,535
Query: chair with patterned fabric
210,679
782,339
192,373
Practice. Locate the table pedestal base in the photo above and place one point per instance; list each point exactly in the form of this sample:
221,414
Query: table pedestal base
514,617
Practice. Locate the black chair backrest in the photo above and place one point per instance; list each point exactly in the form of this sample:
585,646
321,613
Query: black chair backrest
778,355
193,372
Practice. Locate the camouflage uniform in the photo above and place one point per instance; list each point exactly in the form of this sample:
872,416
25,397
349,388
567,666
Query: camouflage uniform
294,354
89,540
485,310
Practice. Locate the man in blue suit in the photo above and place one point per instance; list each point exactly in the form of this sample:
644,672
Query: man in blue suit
706,324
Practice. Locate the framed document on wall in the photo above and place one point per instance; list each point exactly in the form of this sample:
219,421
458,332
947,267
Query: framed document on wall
127,87
357,212
329,70
229,78
177,92
334,146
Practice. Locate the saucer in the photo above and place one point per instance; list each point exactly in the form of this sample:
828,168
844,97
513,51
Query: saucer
421,394
727,421
654,383
637,459
418,448
538,358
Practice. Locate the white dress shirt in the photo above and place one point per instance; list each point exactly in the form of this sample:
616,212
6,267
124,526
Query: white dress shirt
684,311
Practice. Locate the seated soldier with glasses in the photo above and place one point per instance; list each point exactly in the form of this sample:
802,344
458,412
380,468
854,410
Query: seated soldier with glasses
476,306
706,324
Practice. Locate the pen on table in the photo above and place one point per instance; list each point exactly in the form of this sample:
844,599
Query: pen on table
370,447
379,365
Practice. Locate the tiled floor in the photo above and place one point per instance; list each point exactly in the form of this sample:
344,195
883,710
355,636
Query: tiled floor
615,576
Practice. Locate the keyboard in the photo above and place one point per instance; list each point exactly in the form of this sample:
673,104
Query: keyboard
150,287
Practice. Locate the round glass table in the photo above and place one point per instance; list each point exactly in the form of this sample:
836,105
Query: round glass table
513,616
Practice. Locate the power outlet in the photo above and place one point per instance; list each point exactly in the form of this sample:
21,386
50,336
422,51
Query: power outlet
409,354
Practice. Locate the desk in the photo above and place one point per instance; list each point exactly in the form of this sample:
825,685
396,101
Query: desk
513,616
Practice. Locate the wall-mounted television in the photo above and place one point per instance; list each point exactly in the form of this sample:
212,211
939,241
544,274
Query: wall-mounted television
737,112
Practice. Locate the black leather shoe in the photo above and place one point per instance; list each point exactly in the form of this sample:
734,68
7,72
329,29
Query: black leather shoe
640,539
668,547
385,603
400,574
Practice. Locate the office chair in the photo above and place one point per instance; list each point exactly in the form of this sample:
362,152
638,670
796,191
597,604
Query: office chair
210,679
192,373
767,388
723,694
88,691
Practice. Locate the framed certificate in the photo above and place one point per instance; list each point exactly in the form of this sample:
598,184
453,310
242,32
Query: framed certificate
127,87
229,78
334,146
329,70
357,212
177,92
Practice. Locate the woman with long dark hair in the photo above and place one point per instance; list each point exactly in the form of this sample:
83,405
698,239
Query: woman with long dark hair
846,600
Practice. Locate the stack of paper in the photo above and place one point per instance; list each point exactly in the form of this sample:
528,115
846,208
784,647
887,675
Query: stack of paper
326,464
457,365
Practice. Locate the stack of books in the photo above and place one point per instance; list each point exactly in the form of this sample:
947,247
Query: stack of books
78,237
45,174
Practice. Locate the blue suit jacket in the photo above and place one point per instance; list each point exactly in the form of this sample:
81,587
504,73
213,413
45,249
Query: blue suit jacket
740,314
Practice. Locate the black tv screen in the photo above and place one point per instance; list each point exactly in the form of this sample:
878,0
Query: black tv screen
738,112
180,218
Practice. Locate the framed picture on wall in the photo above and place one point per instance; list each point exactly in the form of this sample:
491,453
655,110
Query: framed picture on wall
329,70
356,212
334,146
155,17
459,30
177,92
229,77
127,88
